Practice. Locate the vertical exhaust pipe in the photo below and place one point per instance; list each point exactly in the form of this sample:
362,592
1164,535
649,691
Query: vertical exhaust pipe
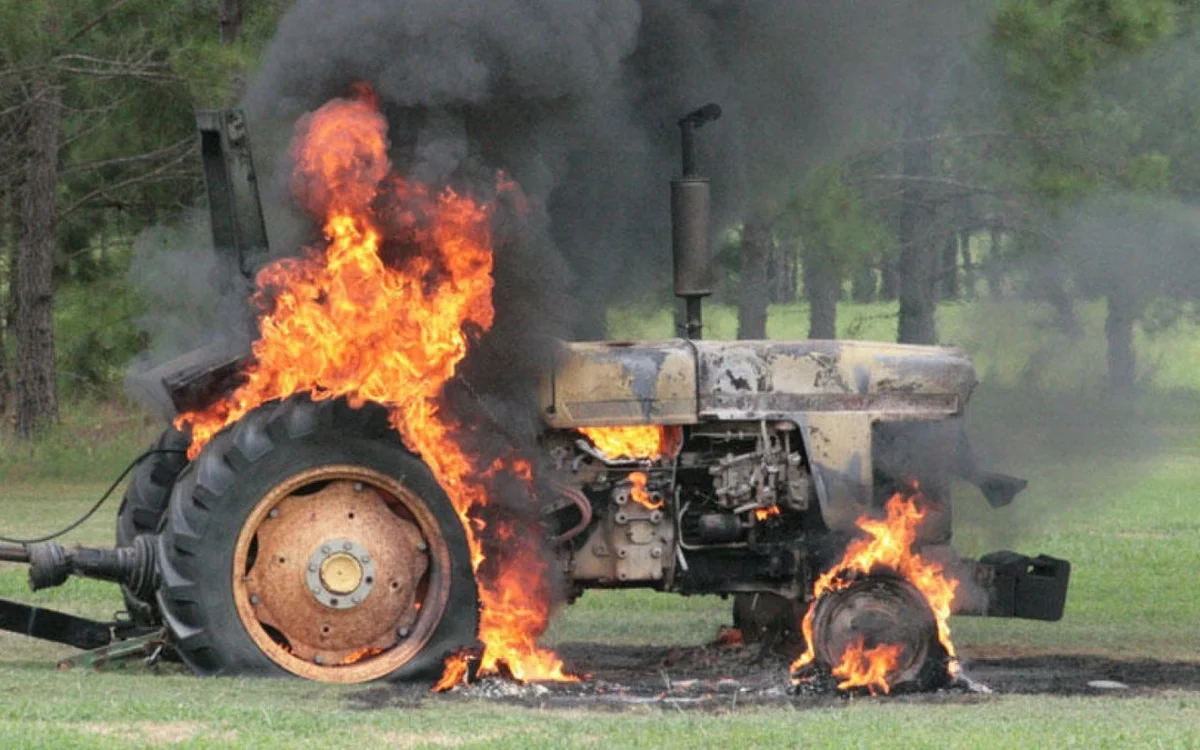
690,214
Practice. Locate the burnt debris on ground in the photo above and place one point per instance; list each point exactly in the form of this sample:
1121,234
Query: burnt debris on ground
723,678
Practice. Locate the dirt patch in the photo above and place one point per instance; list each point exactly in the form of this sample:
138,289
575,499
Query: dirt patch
435,739
722,679
1081,675
143,733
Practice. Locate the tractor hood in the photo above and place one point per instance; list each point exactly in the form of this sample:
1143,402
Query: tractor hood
685,382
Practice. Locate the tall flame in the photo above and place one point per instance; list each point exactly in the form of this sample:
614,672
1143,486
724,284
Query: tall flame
887,546
384,312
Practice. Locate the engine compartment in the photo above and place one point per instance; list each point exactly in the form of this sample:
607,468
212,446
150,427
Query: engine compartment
731,509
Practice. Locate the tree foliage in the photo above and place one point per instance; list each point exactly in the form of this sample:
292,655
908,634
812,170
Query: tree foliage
124,78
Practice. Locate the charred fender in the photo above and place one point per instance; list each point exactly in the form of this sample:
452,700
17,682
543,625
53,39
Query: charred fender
307,540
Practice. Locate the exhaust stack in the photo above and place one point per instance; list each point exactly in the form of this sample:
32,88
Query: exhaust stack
690,211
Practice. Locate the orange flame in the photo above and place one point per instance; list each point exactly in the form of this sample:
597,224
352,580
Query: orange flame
642,441
639,494
361,654
344,322
864,667
887,546
455,672
763,514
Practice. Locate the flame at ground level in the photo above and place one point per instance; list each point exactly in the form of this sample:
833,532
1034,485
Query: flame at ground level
869,668
383,311
887,547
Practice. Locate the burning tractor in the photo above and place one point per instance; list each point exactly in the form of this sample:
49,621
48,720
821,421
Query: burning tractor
313,510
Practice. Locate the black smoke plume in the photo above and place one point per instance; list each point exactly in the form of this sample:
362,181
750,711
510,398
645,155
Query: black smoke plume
578,100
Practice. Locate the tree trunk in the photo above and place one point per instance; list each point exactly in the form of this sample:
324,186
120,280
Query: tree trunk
229,15
949,268
918,255
8,245
1118,329
968,264
821,288
889,280
863,284
36,392
1050,284
752,297
994,268
781,274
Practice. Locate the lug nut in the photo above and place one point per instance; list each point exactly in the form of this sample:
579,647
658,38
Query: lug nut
347,546
312,567
273,513
656,552
325,549
359,486
255,600
365,559
318,659
422,546
402,632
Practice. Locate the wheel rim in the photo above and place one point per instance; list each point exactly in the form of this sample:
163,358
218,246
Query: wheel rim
341,574
877,610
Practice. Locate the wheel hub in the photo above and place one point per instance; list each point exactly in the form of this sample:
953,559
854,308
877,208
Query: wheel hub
340,573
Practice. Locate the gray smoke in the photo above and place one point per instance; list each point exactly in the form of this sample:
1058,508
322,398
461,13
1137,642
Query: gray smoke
578,101
189,292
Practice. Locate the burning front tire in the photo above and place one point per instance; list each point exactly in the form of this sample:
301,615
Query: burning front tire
307,540
144,504
881,612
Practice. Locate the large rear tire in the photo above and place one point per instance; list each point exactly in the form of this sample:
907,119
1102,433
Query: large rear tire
145,503
307,540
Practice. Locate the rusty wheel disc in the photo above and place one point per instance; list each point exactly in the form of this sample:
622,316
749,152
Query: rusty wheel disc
341,574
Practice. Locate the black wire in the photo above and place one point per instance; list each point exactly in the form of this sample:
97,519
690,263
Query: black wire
75,524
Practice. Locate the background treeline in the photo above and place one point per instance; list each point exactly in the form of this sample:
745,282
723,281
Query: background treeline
1055,164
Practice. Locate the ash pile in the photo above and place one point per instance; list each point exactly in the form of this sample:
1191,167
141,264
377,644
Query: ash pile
726,674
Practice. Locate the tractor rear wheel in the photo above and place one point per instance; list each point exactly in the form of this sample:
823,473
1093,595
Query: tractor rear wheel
144,504
307,540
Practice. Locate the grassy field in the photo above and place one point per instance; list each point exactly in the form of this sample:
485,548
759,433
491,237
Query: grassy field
1114,489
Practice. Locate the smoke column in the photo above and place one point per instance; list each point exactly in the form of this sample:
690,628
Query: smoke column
578,100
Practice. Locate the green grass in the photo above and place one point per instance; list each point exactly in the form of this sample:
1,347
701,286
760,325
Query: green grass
94,441
100,711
